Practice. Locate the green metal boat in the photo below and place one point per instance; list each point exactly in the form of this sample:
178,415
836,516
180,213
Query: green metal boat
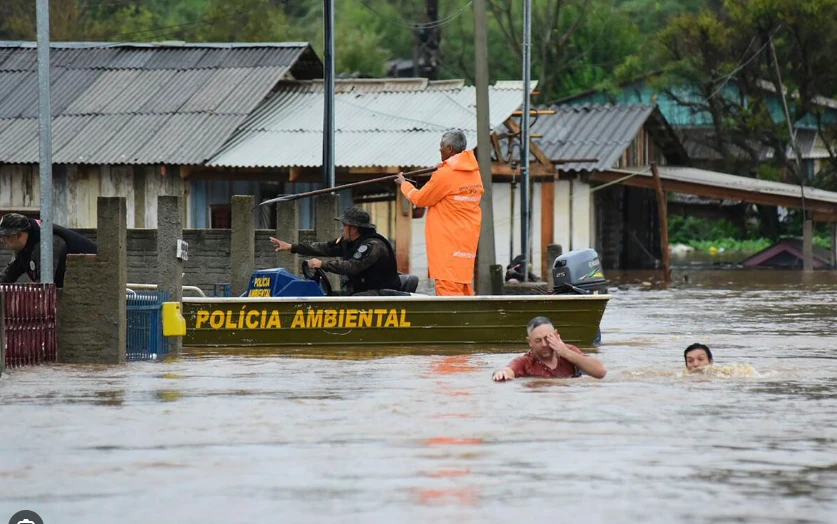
407,320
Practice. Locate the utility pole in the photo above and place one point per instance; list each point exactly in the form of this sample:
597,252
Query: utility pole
429,37
486,255
328,94
45,129
524,138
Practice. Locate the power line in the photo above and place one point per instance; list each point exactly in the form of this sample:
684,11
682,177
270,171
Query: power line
743,65
418,25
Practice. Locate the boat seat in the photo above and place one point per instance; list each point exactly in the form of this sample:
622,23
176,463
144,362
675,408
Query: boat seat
409,283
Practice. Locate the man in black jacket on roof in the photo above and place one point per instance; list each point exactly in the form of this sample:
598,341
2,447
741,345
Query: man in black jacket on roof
23,236
362,255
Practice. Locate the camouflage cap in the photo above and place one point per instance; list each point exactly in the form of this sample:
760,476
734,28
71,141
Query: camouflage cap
13,223
355,216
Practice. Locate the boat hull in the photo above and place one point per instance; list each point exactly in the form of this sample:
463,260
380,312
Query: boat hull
414,320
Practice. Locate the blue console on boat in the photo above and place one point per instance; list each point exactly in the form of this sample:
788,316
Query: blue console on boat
278,282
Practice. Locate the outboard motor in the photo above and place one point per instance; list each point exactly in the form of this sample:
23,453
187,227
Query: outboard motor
579,272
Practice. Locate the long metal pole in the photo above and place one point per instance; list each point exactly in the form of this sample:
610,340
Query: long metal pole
486,254
45,128
524,138
328,113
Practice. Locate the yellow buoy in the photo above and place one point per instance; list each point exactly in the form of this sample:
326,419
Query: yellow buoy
174,325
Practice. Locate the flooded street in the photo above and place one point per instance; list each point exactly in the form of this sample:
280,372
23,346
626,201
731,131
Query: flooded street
220,437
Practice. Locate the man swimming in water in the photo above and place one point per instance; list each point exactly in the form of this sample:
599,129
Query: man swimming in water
549,356
697,356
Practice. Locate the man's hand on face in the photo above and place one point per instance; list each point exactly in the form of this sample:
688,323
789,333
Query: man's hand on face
503,374
557,345
280,245
315,263
399,179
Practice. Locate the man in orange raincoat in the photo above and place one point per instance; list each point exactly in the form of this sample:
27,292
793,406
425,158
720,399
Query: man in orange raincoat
452,230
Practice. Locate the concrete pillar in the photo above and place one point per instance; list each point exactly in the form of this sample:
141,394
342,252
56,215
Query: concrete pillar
553,251
326,209
287,229
808,245
92,323
242,243
169,267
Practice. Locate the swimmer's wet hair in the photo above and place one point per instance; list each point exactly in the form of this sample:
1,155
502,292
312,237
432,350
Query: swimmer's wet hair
695,346
536,323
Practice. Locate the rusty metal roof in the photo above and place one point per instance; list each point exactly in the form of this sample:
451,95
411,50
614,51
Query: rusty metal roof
379,122
140,103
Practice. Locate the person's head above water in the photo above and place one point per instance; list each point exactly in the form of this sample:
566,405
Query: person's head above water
697,356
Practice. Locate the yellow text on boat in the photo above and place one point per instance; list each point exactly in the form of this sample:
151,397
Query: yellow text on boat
246,318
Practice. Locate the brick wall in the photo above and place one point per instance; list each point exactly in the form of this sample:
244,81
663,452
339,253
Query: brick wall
209,255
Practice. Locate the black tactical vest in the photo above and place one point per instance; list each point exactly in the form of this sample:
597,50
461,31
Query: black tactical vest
383,274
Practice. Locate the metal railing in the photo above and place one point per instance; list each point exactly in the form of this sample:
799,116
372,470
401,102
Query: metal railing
28,324
145,339
153,287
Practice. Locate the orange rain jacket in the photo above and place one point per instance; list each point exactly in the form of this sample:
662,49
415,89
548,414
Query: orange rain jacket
452,230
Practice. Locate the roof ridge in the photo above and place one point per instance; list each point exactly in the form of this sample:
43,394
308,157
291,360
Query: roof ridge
170,44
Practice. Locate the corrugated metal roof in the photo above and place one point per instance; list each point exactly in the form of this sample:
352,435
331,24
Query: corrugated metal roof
378,123
178,91
142,87
10,85
21,98
21,61
139,103
186,58
91,139
131,58
733,182
72,84
14,134
103,90
252,90
121,146
188,139
589,131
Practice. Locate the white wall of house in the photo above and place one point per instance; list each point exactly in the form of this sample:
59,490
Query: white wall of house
583,216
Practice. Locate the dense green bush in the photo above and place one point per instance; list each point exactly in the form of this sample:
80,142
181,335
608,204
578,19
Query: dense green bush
703,234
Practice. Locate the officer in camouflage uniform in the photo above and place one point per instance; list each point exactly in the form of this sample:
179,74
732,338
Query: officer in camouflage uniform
361,255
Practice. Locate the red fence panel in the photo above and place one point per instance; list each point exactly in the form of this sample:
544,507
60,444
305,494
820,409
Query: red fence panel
30,327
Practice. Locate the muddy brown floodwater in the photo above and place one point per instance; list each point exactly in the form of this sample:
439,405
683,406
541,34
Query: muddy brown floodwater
416,437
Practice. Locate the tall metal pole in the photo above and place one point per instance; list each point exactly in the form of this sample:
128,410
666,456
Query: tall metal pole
486,255
524,139
45,128
328,87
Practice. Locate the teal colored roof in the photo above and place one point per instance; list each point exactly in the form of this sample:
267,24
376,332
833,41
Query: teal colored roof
680,115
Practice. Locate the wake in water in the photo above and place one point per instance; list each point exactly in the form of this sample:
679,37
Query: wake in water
728,371
737,370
